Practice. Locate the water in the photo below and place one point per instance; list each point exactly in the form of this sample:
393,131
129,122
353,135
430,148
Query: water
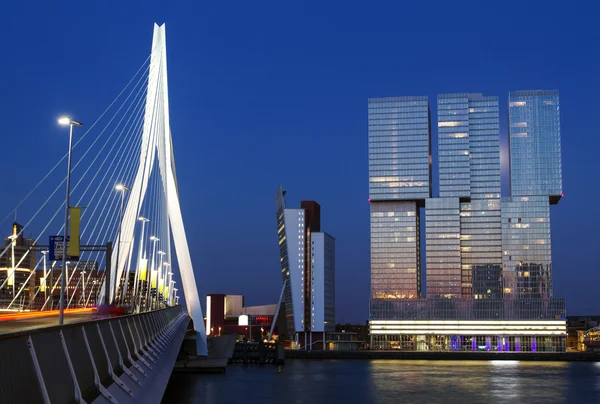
393,381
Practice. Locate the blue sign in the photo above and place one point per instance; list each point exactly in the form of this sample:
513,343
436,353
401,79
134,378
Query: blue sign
55,250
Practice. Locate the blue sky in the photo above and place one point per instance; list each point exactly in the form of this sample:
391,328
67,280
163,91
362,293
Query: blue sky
274,92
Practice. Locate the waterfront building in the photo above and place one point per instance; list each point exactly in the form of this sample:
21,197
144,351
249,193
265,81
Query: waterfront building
227,314
16,267
307,258
399,184
522,325
488,259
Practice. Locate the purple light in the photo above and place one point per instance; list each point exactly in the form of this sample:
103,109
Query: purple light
517,345
473,344
533,344
506,346
499,345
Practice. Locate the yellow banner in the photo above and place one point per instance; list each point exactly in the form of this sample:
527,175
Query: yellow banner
73,250
161,285
167,294
154,277
42,284
11,276
143,269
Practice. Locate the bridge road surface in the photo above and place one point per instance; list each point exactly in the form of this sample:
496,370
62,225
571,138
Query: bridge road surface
30,321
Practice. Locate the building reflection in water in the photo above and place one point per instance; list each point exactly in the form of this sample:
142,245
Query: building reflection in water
393,381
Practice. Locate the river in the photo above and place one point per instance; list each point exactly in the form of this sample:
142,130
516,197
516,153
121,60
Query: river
392,381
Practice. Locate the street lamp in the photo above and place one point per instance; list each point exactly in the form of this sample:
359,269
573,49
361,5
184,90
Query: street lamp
122,188
154,239
83,284
141,255
13,242
170,274
44,252
161,275
63,284
174,292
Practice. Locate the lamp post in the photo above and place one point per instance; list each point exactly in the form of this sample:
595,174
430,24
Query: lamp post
161,277
154,240
170,274
174,293
122,188
141,255
63,284
44,252
83,285
13,241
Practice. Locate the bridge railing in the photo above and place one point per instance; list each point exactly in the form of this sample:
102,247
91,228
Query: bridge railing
117,358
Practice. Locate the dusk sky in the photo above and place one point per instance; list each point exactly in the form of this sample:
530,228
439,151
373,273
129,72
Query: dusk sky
275,93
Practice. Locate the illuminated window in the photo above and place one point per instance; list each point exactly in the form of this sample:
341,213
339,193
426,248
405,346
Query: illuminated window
450,124
459,135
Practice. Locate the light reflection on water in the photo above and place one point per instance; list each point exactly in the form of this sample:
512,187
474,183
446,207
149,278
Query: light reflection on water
393,381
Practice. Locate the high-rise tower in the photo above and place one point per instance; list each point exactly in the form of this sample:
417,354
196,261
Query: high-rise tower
399,183
489,284
307,258
535,147
463,229
536,182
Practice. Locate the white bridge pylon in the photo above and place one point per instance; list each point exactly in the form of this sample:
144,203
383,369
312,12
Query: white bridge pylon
157,145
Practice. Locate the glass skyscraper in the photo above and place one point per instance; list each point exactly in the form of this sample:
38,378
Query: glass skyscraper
307,258
443,252
399,149
536,182
463,228
488,258
399,183
535,151
527,255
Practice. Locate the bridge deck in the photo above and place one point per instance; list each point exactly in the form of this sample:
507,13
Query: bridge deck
123,359
12,322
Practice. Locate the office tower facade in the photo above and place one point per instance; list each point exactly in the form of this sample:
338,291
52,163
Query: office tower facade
536,182
399,183
527,255
442,243
535,146
307,258
463,225
489,273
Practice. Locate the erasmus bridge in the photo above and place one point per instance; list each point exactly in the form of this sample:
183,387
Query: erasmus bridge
97,318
